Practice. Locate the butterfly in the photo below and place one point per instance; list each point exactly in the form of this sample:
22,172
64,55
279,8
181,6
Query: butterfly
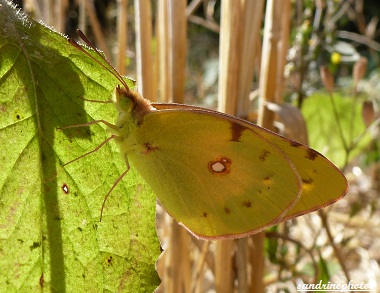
218,175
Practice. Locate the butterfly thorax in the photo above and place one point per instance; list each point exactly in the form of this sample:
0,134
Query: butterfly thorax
132,108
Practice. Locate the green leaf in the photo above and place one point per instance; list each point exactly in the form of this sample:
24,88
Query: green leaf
50,235
323,130
323,270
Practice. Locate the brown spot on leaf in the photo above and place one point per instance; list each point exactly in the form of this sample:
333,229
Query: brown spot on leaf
42,281
205,215
65,188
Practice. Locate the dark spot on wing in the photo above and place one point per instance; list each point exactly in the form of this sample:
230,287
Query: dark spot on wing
204,214
227,210
308,180
268,177
149,148
295,144
247,204
264,155
236,131
311,154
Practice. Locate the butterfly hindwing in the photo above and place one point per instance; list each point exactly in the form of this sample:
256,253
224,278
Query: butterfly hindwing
322,182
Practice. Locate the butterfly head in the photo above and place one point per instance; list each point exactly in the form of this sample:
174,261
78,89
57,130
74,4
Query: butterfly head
130,103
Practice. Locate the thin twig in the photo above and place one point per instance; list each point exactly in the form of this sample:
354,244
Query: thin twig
340,128
339,256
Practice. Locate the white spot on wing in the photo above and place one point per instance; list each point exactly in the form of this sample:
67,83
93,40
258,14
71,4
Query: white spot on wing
217,167
220,166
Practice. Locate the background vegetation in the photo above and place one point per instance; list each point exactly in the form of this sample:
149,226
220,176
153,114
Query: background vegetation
306,69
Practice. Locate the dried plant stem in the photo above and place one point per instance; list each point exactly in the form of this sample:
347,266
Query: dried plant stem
122,29
300,244
61,15
271,68
242,265
257,263
99,36
270,60
337,119
338,255
177,45
164,72
146,78
198,272
224,275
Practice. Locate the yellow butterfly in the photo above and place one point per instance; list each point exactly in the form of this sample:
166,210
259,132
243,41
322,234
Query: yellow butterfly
218,175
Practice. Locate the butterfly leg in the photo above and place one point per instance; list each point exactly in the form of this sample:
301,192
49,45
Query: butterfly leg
113,187
110,125
94,150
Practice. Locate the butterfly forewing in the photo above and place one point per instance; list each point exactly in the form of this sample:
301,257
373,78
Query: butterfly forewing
216,177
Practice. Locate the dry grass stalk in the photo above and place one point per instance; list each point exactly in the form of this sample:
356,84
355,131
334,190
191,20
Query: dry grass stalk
359,71
240,25
60,11
122,31
251,25
223,266
164,73
327,79
99,36
271,58
272,68
178,42
146,77
229,52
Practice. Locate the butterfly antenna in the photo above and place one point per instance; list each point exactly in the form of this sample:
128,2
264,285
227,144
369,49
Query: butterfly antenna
110,69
